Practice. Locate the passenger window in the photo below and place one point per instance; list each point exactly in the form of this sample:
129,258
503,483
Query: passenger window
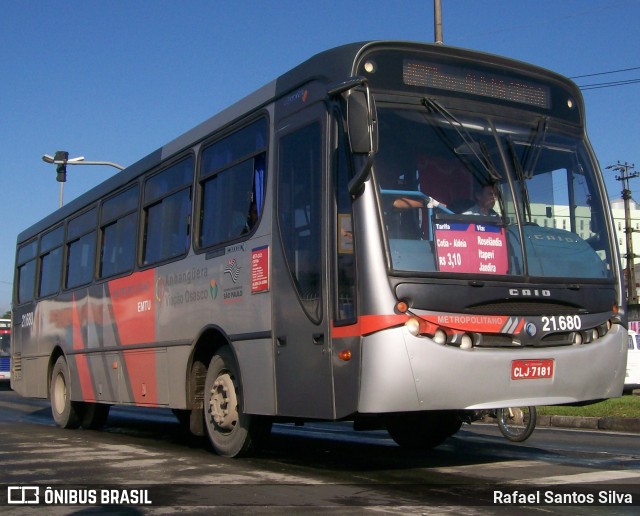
167,213
81,249
118,223
50,262
232,179
26,265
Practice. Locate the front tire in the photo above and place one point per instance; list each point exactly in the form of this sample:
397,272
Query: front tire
423,430
231,432
517,423
65,412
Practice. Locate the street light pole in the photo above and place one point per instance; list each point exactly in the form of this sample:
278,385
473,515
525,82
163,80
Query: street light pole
61,160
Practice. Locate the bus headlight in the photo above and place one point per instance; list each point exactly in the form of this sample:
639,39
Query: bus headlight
466,342
413,326
440,337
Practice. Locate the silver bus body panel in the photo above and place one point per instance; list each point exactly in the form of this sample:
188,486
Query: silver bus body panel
401,372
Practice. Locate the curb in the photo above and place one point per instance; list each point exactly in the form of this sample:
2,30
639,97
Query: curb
617,424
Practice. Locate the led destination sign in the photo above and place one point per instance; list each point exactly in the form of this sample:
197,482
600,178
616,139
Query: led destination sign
475,82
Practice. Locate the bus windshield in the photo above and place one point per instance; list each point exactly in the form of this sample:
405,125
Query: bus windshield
469,194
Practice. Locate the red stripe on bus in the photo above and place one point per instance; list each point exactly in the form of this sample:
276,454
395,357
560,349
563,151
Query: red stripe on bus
133,304
460,322
82,365
368,324
468,322
141,368
84,375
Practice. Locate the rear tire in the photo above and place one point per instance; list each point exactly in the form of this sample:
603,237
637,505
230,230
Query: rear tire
423,430
231,432
65,412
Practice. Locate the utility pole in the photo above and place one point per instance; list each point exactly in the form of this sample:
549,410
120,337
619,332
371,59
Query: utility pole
437,22
625,175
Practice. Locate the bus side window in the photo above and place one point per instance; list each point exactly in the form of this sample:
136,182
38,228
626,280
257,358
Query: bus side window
167,210
26,271
81,249
232,172
118,224
50,262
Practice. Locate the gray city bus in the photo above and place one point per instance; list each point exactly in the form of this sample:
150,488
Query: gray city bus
391,233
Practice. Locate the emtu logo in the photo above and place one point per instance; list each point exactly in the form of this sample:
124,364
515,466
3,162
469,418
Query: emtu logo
213,289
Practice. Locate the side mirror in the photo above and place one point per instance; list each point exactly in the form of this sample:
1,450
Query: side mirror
362,125
361,121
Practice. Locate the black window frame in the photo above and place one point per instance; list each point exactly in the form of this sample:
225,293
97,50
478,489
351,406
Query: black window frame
121,219
229,153
80,230
154,197
50,262
26,263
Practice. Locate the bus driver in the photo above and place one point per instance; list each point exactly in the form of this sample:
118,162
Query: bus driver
485,201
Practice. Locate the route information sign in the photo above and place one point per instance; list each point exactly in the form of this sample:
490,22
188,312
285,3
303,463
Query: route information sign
471,247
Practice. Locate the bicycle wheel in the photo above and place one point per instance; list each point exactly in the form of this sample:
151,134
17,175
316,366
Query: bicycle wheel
517,423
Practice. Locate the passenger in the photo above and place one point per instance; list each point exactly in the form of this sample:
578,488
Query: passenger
252,218
407,202
485,201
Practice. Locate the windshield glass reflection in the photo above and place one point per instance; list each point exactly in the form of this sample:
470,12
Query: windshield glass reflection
469,195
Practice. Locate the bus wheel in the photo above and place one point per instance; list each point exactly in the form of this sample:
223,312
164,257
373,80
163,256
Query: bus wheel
65,411
232,433
423,430
94,415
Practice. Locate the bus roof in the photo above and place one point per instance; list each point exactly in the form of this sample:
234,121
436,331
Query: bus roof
331,66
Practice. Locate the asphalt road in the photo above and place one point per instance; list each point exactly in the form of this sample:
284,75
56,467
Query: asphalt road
319,468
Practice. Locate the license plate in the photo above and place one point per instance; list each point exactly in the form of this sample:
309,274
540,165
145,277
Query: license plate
532,369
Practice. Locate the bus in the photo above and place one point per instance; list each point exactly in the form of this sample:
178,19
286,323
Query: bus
313,253
5,350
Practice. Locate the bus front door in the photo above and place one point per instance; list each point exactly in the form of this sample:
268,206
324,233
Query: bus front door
304,383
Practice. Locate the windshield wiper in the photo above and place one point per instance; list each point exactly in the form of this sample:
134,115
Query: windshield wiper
478,150
535,149
517,166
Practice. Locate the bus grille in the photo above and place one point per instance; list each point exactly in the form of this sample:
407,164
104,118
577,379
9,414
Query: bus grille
522,307
4,364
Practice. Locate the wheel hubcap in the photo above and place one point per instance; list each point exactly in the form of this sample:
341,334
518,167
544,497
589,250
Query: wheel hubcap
224,403
59,394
